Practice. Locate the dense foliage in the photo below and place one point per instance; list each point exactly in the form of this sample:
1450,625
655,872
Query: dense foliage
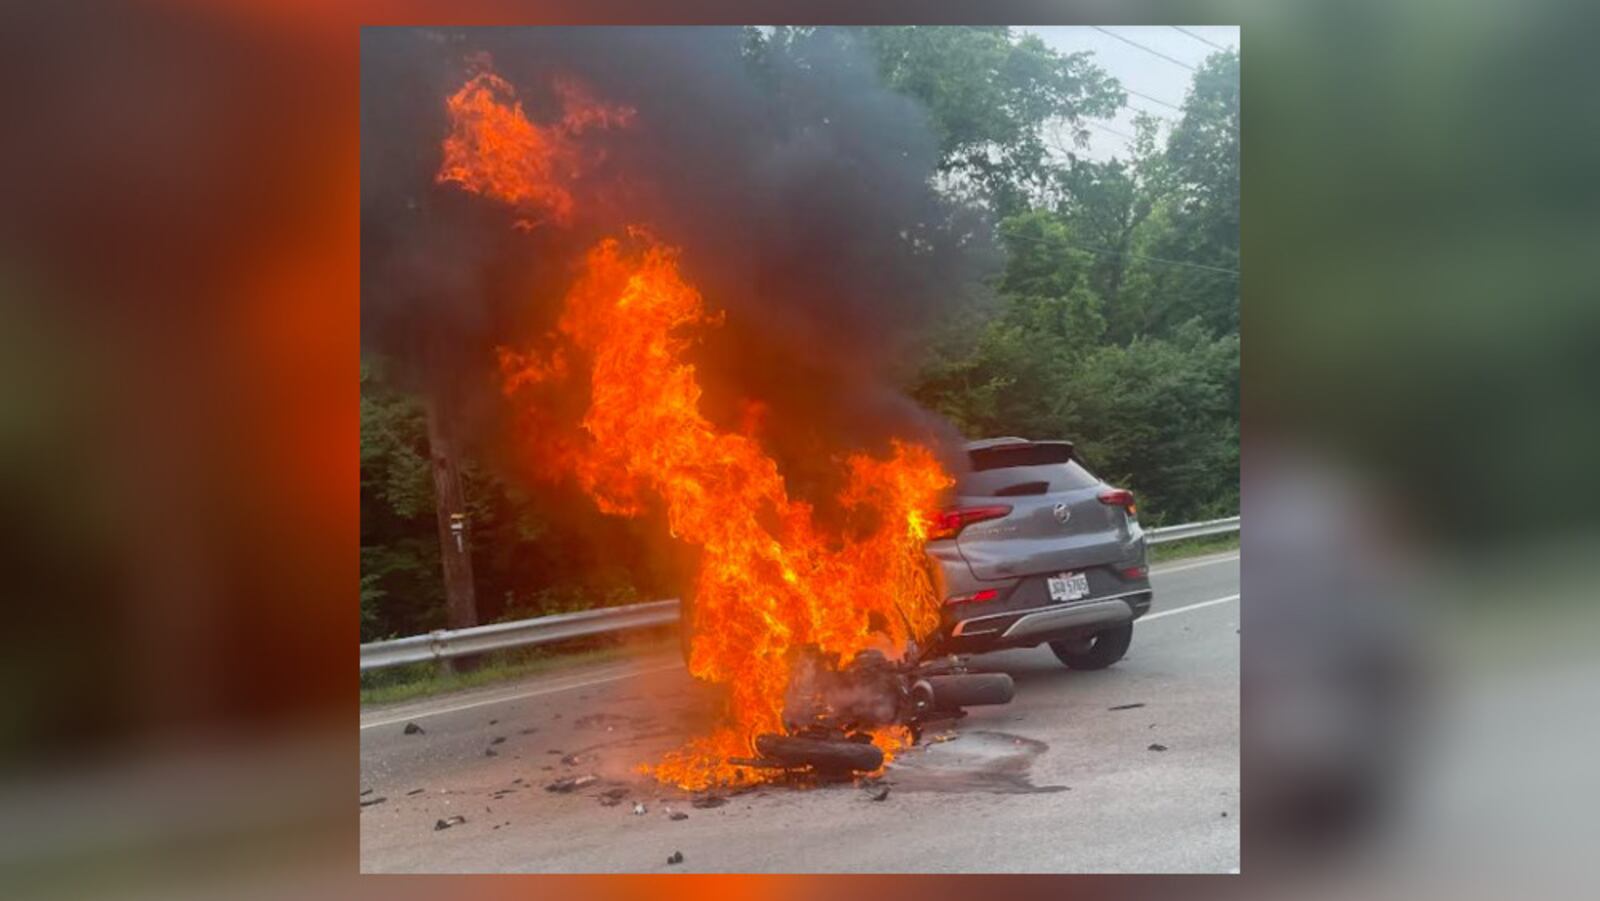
1113,322
1117,315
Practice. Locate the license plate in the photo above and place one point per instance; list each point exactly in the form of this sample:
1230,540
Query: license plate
1068,586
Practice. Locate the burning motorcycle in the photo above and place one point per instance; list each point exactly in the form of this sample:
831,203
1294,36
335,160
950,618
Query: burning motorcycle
831,713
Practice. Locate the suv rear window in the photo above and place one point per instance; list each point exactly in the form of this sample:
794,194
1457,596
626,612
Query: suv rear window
1012,470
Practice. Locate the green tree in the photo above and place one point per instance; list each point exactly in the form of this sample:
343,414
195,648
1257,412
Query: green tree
536,548
401,588
1203,218
1105,333
1105,206
1158,415
991,97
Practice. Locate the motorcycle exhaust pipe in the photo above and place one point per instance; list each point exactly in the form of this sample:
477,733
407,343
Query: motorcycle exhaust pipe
953,692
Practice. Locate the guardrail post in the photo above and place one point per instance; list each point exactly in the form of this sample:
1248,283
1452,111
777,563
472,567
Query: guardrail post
436,646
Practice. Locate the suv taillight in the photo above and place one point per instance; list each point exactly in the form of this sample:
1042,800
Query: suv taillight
977,597
1119,497
952,521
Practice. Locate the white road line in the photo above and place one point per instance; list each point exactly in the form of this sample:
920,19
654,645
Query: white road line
500,699
1160,571
1211,603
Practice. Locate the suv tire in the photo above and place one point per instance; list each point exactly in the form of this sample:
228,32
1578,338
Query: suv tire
1107,648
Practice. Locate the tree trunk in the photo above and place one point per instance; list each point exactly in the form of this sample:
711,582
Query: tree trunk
461,609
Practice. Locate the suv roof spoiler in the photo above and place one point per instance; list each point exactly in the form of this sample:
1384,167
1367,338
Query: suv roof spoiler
986,443
1005,453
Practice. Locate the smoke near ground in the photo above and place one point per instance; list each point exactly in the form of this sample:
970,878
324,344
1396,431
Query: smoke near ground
797,186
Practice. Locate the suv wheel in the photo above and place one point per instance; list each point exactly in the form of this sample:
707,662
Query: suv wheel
1104,649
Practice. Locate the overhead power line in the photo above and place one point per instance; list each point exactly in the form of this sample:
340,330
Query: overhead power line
1153,100
1119,253
1132,43
1182,30
1104,128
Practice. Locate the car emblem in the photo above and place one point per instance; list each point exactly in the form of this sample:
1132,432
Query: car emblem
1063,513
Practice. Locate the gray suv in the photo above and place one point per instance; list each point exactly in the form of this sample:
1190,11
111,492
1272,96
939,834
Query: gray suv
1036,549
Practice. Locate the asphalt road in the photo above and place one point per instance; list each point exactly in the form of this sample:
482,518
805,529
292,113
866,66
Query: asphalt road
1057,781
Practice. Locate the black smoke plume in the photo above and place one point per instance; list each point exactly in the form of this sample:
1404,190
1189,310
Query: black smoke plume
799,188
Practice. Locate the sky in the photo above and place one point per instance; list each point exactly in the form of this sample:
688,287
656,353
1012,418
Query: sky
1137,70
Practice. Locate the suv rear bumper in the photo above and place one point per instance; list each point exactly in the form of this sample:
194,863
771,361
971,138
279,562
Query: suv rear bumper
1033,625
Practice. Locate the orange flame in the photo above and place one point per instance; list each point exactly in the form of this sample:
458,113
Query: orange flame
772,581
493,149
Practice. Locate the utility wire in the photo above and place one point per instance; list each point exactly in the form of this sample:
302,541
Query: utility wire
1118,253
1153,100
1197,37
1108,129
1132,43
1119,134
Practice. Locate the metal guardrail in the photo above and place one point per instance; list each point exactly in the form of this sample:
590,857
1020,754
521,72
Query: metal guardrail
442,643
1186,531
445,643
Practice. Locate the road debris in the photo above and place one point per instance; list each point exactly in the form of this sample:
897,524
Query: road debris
497,740
596,720
528,731
1157,747
413,729
449,821
494,722
569,783
639,809
415,791
611,797
708,801
1127,706
490,752
680,815
371,801
365,792
677,857
877,791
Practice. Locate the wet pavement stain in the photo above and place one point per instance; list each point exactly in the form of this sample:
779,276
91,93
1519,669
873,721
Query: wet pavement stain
996,762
